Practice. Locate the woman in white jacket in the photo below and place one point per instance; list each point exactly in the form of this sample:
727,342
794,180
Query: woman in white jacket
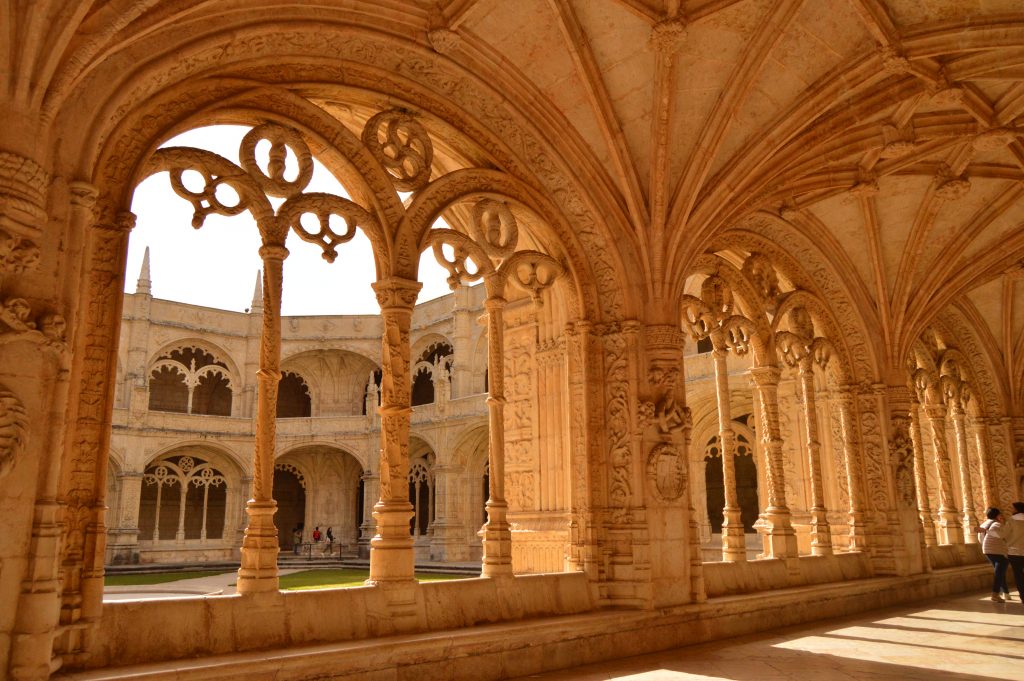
1013,532
993,545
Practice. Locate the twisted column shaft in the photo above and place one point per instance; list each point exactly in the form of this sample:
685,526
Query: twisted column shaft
391,549
821,534
258,571
956,414
734,548
497,559
854,477
950,531
924,510
781,540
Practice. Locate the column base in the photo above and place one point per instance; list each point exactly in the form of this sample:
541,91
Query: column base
734,540
779,538
821,533
497,536
969,525
391,549
949,531
258,572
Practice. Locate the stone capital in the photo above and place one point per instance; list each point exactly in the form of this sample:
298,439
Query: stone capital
396,292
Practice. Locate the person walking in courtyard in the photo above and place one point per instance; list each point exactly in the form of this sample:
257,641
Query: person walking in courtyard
296,540
993,545
316,535
1014,533
330,542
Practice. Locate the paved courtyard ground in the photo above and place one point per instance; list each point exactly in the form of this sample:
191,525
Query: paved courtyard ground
964,638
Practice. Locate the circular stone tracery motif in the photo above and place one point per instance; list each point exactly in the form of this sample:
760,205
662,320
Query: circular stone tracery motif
400,144
494,227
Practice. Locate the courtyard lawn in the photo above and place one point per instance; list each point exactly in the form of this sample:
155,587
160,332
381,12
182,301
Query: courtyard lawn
333,579
158,577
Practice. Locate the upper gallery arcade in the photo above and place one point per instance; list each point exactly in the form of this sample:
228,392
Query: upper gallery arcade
749,281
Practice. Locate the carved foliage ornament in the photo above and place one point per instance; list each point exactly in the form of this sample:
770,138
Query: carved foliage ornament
17,255
13,430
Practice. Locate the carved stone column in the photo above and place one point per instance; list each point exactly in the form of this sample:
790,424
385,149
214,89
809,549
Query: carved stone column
780,540
956,415
497,534
821,534
582,549
448,542
258,572
854,476
391,549
924,510
32,408
371,492
124,538
979,431
950,531
734,543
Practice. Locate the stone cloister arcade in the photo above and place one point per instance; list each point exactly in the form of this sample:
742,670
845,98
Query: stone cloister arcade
328,430
701,231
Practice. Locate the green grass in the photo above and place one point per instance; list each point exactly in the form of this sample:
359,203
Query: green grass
334,579
157,577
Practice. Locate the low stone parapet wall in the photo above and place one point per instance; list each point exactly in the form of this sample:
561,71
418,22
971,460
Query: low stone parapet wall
510,648
722,579
130,632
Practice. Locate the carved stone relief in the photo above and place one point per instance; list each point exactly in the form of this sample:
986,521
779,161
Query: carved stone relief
617,424
901,456
666,472
13,430
875,474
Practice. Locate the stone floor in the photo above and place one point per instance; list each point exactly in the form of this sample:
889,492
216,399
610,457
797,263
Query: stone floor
963,638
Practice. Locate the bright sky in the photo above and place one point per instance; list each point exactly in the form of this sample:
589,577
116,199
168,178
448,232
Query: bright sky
216,265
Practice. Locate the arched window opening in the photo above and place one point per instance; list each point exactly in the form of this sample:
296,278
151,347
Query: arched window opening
423,391
746,483
167,390
435,352
212,396
421,496
183,497
293,400
704,345
290,494
190,380
422,388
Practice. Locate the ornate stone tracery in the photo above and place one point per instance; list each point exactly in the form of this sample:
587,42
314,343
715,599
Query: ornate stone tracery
896,214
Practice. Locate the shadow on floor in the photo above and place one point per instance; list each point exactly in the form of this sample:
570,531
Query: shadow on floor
963,638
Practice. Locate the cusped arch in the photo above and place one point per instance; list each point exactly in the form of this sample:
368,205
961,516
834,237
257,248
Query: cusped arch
143,116
802,262
216,350
238,462
425,341
979,358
